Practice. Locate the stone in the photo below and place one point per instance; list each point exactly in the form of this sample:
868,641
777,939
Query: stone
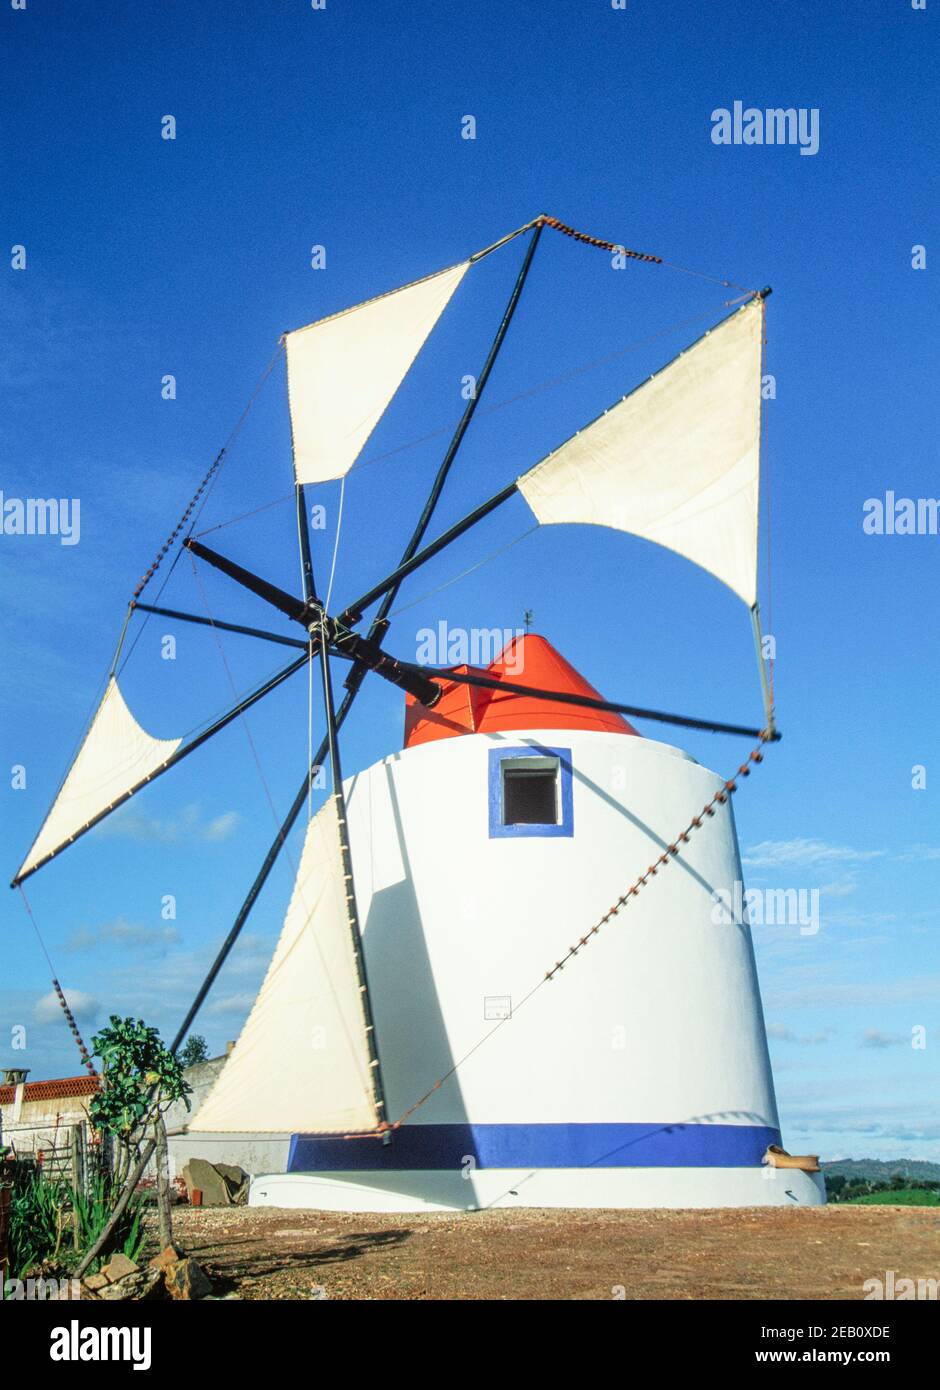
118,1266
187,1280
142,1284
167,1256
199,1172
96,1281
237,1181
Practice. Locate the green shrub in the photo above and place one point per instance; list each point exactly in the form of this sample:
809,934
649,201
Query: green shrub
42,1216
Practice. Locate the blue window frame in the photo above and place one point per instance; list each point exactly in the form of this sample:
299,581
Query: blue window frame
534,764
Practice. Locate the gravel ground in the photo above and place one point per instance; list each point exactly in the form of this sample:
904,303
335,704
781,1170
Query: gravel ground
805,1252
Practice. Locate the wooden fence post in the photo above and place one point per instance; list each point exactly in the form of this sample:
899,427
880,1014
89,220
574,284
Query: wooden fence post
6,1195
77,1167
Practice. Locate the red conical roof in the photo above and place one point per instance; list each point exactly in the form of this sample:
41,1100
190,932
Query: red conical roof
527,660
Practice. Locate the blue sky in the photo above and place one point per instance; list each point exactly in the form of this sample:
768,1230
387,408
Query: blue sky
342,128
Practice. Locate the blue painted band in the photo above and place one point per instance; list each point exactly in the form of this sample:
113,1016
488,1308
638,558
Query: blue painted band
445,1147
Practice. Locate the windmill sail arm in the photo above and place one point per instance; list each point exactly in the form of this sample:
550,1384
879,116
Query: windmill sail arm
117,759
588,702
278,598
225,627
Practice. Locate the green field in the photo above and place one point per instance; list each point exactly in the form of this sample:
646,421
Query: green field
904,1197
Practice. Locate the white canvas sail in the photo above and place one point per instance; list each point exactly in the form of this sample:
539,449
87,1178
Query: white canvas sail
115,755
343,371
676,461
301,1064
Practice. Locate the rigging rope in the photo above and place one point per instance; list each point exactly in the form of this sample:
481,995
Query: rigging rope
60,995
339,527
669,855
621,250
245,516
764,471
463,574
194,506
546,385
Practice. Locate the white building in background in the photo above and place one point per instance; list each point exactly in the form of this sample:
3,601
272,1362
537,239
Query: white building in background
637,1076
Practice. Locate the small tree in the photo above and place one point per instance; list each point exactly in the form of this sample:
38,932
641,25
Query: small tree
141,1080
194,1050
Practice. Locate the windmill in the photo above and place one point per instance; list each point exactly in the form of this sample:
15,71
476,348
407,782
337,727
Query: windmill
675,461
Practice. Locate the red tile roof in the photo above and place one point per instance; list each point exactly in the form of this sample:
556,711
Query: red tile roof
64,1088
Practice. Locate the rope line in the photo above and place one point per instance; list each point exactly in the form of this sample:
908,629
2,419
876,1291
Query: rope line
245,516
764,465
546,385
621,250
669,855
463,574
60,995
339,527
214,467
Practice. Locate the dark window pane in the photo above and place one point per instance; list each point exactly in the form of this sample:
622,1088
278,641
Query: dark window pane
530,795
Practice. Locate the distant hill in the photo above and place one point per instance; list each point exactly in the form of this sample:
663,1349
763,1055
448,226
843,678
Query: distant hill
883,1170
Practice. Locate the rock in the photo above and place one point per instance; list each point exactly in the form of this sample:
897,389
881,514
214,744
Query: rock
167,1256
96,1281
199,1172
187,1280
142,1284
237,1181
118,1266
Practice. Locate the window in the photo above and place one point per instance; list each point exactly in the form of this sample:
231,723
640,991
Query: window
530,791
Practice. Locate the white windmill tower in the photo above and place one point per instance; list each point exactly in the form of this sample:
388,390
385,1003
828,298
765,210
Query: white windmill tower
501,978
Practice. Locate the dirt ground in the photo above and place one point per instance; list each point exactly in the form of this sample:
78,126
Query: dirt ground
805,1252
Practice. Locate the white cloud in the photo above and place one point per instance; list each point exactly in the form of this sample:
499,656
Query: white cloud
841,888
779,1032
129,823
231,1004
85,1007
913,989
872,1037
122,933
774,854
